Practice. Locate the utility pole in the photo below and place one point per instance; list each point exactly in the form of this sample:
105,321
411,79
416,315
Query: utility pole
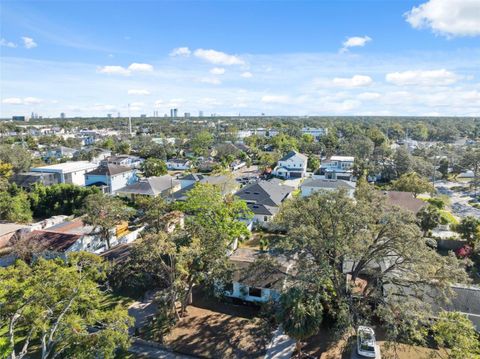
129,122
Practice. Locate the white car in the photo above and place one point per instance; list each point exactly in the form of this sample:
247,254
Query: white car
366,344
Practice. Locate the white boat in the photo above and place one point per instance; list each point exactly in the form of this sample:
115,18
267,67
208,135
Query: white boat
366,343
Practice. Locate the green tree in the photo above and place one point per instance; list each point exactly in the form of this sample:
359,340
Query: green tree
300,315
104,213
59,305
471,161
17,156
201,142
402,161
14,206
428,219
153,167
339,243
412,182
313,163
469,229
455,334
153,210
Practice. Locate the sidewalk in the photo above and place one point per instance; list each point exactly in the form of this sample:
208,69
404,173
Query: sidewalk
281,346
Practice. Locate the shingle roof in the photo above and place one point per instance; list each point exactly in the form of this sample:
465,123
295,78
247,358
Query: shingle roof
265,193
327,183
292,154
405,200
151,186
109,170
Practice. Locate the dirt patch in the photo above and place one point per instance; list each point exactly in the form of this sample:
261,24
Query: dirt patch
218,329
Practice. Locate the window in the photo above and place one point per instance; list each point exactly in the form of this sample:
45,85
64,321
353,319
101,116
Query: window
265,218
255,292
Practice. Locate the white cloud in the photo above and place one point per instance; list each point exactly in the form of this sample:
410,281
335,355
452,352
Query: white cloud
276,99
120,70
247,74
368,96
210,80
28,42
138,92
102,107
181,51
447,17
6,43
174,102
217,71
140,67
12,101
218,57
440,77
19,101
114,70
354,81
355,41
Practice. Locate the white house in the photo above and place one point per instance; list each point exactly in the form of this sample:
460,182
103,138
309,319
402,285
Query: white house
124,160
178,164
252,285
292,165
68,172
315,132
337,167
313,185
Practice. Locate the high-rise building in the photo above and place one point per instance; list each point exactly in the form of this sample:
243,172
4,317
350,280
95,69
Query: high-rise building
62,115
200,113
174,112
186,115
18,118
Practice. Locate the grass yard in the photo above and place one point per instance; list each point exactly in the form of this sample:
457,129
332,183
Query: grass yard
215,329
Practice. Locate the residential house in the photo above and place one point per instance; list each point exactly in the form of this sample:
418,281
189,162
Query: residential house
68,172
337,167
124,160
162,186
313,185
405,200
225,183
59,153
111,177
252,284
264,199
179,164
237,165
292,165
317,133
27,180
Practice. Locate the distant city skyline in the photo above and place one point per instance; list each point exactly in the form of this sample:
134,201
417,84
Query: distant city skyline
275,57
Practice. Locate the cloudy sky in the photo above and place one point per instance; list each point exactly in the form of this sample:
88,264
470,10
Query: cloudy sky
396,57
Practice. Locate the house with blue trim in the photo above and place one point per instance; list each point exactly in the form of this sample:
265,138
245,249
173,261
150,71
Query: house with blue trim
111,177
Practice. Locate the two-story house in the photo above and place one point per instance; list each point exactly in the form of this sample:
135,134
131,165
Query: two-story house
111,177
292,165
68,172
337,167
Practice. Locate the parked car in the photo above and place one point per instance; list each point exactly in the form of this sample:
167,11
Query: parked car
366,344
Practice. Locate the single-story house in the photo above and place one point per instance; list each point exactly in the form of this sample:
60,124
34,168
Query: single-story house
405,200
178,164
256,284
313,185
162,186
27,180
124,160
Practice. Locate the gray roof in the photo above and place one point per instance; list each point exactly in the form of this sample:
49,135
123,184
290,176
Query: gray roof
109,170
151,186
265,193
192,177
292,154
328,183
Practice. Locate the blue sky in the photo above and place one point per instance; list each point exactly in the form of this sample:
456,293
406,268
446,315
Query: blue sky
229,57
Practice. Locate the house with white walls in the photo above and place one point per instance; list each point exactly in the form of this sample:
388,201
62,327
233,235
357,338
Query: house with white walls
292,165
68,172
111,177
